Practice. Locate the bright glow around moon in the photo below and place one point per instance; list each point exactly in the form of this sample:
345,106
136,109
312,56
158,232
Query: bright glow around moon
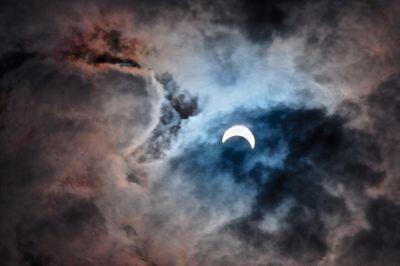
240,131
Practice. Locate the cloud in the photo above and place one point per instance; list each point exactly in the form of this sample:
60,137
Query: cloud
376,245
111,120
61,126
302,159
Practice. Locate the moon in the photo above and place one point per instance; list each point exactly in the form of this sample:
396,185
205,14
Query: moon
240,131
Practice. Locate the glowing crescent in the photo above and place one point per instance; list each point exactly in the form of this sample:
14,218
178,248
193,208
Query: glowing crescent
240,131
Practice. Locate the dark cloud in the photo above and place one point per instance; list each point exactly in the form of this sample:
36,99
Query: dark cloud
385,104
177,106
60,124
73,218
320,153
377,245
13,60
101,46
260,20
107,58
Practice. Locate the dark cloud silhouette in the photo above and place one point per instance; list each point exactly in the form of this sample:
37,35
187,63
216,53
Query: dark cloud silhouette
177,106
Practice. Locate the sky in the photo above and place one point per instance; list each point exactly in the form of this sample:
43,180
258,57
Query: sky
112,115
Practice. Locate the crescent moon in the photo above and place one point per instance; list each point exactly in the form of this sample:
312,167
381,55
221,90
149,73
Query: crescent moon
240,131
